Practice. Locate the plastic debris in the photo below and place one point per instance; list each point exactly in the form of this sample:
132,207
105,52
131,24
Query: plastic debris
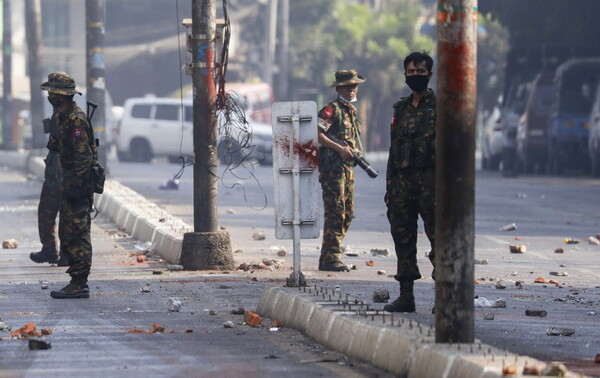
592,240
482,302
560,274
174,304
571,241
174,267
508,227
259,236
381,296
230,211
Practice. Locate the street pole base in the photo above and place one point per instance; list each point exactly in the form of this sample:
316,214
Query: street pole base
296,279
206,251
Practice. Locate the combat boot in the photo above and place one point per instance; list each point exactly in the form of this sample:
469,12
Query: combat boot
406,301
75,289
46,255
333,266
62,260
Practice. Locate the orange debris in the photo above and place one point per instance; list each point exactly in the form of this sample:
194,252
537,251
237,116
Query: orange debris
252,318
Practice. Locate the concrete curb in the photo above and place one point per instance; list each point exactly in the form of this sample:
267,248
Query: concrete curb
405,348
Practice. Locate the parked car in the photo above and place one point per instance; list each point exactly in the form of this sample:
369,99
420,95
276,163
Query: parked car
153,127
491,140
510,113
569,120
532,132
594,138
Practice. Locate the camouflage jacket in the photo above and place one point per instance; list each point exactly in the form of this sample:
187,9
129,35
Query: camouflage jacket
77,146
52,171
412,134
343,123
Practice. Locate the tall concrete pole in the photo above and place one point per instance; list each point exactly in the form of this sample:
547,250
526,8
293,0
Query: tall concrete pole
455,170
34,37
206,247
94,16
8,142
284,50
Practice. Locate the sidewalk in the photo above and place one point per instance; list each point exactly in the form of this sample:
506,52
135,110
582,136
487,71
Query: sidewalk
118,306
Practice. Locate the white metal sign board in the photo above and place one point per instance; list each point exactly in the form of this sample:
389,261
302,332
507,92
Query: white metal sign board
296,170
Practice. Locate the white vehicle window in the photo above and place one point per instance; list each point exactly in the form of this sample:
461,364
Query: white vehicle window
141,111
167,112
188,114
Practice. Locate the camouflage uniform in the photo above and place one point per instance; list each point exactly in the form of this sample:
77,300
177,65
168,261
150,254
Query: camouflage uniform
337,177
77,150
410,181
50,196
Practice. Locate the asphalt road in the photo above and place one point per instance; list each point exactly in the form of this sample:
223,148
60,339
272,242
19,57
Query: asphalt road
545,209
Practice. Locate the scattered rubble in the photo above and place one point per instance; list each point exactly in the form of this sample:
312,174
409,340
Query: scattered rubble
154,328
370,263
259,236
230,211
36,344
559,250
145,289
212,312
282,253
500,285
482,302
277,264
532,370
174,267
44,285
540,279
239,311
488,316
381,272
252,318
481,262
4,326
349,251
381,296
571,241
518,248
384,252
538,313
174,304
499,303
555,369
140,258
10,244
509,370
508,227
229,324
29,329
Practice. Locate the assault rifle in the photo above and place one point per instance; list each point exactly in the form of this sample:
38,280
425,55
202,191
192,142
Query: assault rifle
359,160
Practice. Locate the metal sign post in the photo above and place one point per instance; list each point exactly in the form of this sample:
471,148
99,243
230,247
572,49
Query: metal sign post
296,176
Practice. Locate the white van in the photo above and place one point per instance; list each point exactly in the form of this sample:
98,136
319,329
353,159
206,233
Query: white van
155,127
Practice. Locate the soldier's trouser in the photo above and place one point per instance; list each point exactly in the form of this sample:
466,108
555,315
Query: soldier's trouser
47,212
74,233
338,204
411,193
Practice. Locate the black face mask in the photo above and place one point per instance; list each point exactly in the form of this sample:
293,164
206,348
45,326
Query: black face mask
417,83
55,102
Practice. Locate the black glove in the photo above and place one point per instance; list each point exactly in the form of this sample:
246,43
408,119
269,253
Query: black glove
73,193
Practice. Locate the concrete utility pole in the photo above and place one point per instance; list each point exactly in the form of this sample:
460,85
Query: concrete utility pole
284,48
205,248
455,170
34,38
8,142
94,16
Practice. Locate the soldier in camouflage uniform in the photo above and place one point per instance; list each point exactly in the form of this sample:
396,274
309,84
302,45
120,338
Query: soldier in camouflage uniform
339,120
410,175
50,201
77,150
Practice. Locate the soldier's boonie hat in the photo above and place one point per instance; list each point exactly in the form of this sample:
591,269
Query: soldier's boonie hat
347,77
60,83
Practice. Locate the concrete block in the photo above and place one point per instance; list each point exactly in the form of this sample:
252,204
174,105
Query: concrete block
320,324
173,253
283,308
395,351
143,230
267,301
341,333
130,221
364,342
301,314
431,361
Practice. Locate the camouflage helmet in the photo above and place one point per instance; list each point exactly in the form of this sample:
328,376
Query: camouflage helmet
347,77
60,83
